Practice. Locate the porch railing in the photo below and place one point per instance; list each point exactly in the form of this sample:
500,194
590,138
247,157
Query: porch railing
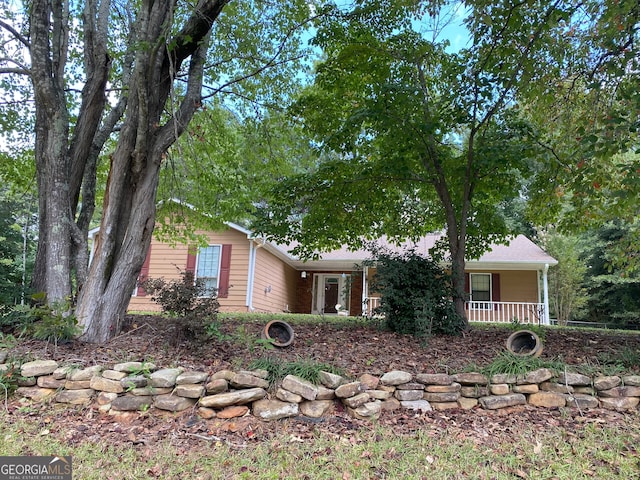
488,312
505,312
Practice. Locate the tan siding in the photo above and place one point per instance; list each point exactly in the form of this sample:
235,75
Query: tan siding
169,262
275,284
518,286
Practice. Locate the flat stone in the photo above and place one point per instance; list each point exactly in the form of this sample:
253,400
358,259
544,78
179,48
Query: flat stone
369,410
287,396
407,395
574,379
38,368
233,411
325,393
61,372
173,403
105,398
467,403
304,388
441,397
85,373
49,381
217,385
114,375
369,381
106,385
556,387
26,381
606,383
536,376
471,378
390,404
379,394
134,367
247,380
434,378
504,378
193,390
131,403
526,388
259,372
631,380
357,400
75,397
421,405
499,389
586,390
134,381
331,380
620,392
316,408
396,377
349,390
581,400
494,402
36,394
411,386
165,377
150,391
239,397
223,374
548,399
207,413
77,384
454,387
474,392
269,410
444,405
191,376
619,403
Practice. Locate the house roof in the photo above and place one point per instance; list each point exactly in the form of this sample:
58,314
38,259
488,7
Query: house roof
519,254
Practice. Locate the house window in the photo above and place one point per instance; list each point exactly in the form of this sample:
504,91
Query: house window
480,284
208,268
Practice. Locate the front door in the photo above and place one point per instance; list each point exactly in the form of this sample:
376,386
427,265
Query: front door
330,290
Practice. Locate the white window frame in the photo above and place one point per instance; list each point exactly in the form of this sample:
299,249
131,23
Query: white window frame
197,269
481,304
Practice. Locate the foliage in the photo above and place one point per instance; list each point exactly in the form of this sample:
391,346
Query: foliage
627,358
509,363
11,249
566,280
306,369
415,294
614,291
187,301
54,322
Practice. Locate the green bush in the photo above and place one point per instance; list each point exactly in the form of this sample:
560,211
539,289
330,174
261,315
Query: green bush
304,368
54,322
416,294
188,301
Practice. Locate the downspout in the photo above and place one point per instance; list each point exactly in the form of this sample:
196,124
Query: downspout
250,275
545,290
365,291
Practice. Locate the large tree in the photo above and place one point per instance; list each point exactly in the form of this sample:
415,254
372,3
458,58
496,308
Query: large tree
137,69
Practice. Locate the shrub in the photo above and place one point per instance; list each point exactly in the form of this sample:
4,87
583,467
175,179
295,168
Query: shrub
416,294
188,302
304,368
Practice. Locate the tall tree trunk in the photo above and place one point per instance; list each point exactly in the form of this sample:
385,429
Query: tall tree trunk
129,206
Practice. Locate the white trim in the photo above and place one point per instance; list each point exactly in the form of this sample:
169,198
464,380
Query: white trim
317,292
195,273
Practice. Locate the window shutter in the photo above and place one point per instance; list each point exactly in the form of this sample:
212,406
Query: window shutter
191,259
225,270
144,273
495,288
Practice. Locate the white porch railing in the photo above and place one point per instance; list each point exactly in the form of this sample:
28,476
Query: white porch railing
488,312
505,312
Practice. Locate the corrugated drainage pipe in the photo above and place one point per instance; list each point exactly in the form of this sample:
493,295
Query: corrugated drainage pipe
279,333
525,343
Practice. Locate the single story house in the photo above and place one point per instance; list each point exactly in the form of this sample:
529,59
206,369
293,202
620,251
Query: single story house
507,283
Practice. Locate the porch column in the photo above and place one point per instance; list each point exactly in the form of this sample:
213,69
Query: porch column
365,291
545,290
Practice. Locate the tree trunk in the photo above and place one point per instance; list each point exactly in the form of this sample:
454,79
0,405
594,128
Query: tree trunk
129,206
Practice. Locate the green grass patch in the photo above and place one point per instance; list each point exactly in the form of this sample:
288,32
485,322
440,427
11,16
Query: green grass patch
306,369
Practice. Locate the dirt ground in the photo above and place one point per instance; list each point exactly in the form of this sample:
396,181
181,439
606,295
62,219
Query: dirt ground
356,350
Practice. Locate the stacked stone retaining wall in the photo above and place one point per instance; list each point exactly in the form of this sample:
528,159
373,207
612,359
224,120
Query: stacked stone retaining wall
135,386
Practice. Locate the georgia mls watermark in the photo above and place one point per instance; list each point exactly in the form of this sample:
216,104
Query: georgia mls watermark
35,468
